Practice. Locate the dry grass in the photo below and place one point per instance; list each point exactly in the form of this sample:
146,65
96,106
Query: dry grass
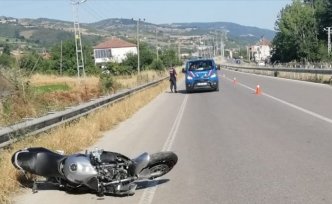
24,104
73,137
130,81
75,83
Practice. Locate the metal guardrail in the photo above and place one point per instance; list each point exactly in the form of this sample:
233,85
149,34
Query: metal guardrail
11,133
275,69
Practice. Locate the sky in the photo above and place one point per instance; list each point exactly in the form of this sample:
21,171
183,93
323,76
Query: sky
257,13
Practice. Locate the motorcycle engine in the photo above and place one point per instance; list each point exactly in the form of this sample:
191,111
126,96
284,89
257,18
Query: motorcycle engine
111,173
94,169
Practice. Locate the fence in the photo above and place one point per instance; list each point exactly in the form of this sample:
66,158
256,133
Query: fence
306,74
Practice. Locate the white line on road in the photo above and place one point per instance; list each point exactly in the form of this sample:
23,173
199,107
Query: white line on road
148,193
316,115
175,127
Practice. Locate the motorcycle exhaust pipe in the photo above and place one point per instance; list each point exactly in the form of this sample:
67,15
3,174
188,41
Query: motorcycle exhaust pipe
120,181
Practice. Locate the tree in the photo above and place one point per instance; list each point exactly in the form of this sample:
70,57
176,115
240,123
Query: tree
323,16
5,58
29,62
296,37
6,50
170,57
131,61
157,64
146,56
6,61
69,64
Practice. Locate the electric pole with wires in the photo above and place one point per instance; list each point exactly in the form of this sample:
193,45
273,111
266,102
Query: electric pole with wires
328,29
78,40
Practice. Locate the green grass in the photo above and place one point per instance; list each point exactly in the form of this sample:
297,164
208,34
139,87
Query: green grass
50,88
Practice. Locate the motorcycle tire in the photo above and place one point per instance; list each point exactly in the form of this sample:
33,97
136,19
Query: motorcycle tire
161,163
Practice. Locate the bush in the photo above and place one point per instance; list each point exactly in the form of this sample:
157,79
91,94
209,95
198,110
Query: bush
117,69
157,64
6,61
108,83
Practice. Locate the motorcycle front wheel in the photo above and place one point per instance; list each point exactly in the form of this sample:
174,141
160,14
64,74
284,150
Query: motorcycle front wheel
161,163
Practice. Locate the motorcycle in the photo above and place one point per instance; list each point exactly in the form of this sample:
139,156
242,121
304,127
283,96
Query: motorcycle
102,172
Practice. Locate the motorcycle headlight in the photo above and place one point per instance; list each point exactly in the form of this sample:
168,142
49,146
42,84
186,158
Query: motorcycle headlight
189,78
213,75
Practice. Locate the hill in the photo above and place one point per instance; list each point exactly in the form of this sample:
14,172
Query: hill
43,32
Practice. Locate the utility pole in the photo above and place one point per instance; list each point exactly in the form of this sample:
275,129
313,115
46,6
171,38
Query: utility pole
248,53
214,47
78,40
137,38
179,51
222,48
61,60
157,44
137,35
328,29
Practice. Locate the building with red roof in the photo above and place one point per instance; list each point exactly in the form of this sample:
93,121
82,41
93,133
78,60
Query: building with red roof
113,50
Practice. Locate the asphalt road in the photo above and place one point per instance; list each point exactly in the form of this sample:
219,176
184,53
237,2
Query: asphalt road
233,146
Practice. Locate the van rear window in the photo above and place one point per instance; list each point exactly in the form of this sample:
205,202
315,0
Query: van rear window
200,65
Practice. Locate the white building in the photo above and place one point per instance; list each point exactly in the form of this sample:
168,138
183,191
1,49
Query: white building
4,20
113,50
261,52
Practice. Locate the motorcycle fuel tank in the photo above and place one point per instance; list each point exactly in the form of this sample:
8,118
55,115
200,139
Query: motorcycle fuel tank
78,169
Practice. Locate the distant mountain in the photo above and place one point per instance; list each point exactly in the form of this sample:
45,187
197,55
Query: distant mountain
232,29
47,32
235,32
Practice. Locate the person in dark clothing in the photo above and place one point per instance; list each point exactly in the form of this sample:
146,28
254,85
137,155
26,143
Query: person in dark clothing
172,79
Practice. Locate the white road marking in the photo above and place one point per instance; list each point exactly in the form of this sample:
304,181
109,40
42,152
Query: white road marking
316,115
149,192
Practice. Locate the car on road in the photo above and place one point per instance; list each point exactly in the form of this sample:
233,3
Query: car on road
201,74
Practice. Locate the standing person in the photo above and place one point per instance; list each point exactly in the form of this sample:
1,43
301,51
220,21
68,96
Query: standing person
172,79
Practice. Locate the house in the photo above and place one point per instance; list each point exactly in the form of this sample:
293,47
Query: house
113,50
5,20
261,52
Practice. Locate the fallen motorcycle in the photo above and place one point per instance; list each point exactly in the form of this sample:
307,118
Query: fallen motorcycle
101,171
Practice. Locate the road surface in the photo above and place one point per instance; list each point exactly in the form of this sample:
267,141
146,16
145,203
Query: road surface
233,146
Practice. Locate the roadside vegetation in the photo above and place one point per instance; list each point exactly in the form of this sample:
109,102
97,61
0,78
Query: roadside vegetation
39,83
34,84
71,138
40,94
301,32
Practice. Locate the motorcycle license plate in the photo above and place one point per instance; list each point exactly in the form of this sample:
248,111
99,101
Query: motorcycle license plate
202,84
